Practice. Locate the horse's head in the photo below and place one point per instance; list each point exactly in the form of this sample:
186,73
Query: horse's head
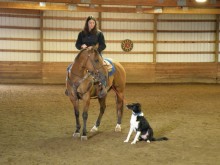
91,61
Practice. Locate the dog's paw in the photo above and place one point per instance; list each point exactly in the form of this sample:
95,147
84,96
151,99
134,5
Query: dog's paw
134,142
126,140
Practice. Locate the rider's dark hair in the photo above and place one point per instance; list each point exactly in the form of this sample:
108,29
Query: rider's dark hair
86,26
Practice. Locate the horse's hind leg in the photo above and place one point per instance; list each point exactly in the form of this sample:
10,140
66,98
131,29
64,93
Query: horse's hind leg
119,110
102,103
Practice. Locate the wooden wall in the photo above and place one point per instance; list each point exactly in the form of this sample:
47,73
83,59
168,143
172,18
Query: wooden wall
36,47
187,72
55,73
20,72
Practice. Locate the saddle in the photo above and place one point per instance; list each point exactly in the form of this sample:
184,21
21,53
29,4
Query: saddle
110,66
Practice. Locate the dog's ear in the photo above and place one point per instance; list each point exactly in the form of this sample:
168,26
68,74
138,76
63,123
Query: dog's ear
139,106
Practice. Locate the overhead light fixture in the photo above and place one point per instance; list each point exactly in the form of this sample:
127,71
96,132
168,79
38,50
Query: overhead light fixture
71,7
91,6
213,2
201,1
148,7
139,9
181,2
42,4
85,1
158,10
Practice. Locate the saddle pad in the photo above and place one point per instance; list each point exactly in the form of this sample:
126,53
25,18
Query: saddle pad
111,66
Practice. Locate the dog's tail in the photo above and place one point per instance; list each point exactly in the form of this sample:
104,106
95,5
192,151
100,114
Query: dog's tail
159,139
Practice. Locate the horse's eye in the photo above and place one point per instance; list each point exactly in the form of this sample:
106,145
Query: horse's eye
97,60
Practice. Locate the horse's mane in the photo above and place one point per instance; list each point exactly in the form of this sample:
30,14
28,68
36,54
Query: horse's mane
82,50
78,55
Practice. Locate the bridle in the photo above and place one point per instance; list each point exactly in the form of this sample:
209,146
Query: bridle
98,77
75,85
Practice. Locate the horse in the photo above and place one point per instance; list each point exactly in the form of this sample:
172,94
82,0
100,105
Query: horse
88,77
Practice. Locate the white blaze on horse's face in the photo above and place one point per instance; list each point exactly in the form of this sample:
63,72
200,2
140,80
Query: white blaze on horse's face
95,65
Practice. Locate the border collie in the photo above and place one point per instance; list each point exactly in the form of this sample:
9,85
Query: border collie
140,125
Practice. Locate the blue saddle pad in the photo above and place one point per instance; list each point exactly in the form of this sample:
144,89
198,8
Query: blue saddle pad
112,71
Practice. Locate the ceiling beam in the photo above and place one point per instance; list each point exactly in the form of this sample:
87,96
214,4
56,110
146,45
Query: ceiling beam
35,6
155,3
19,11
164,10
190,11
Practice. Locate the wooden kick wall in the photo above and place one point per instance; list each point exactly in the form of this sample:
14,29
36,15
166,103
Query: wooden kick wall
54,73
36,47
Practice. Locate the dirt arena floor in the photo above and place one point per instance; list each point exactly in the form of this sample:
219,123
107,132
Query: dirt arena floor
37,123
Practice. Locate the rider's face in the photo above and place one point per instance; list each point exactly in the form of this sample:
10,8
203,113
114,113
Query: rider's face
91,24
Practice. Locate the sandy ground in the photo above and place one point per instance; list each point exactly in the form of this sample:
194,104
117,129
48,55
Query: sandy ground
37,122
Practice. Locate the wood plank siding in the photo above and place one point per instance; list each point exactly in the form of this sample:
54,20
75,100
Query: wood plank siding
55,72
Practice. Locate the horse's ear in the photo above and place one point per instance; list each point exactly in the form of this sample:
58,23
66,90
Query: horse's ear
96,46
95,49
79,53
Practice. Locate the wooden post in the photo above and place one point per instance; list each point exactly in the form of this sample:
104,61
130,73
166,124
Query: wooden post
217,38
155,39
100,19
41,37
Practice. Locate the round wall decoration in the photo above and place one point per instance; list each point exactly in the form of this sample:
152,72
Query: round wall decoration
127,45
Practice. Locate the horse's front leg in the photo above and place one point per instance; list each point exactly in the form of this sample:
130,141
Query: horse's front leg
86,103
76,111
102,103
119,110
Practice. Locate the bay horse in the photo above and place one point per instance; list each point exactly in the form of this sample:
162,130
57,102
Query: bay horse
88,77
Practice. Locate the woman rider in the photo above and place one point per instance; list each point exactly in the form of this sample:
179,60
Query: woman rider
91,36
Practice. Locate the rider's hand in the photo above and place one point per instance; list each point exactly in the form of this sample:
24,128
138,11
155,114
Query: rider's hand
84,46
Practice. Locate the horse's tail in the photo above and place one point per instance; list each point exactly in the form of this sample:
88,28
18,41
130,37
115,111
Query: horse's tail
159,139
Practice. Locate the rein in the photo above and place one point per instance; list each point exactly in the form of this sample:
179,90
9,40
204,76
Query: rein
97,76
96,69
124,100
75,85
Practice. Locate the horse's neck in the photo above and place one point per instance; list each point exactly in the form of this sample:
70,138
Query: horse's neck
77,69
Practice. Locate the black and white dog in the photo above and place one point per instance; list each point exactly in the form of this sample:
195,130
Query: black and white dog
140,125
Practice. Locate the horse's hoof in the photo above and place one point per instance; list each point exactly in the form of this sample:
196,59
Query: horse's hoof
84,138
76,135
118,128
94,129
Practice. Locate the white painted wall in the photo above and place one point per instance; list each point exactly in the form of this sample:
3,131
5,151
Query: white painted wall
62,46
19,33
142,36
187,36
